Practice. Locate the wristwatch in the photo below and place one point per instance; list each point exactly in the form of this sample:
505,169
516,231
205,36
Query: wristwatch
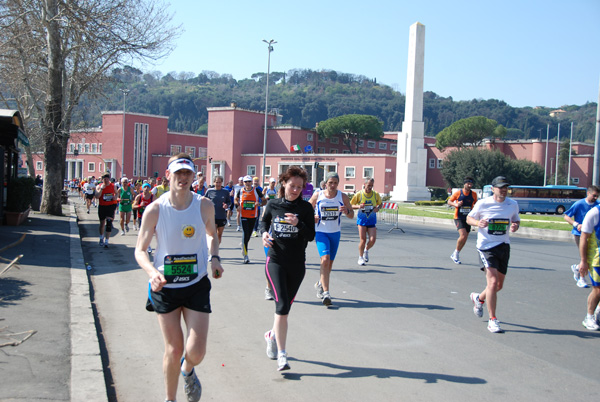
216,257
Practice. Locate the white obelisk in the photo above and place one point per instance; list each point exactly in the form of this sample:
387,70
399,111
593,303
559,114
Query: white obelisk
411,161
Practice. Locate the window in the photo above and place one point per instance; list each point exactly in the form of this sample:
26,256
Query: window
575,180
439,164
99,148
175,149
251,170
79,148
334,140
393,147
321,150
91,167
94,148
309,136
383,145
361,143
201,152
368,171
191,151
71,148
333,151
350,172
140,150
371,144
87,148
431,163
39,166
267,170
349,188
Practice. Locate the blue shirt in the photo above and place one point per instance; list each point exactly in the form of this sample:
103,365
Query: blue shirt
578,211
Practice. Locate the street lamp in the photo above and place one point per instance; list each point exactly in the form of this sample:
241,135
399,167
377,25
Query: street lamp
125,93
270,47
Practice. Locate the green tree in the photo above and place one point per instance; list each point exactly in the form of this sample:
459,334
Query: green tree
352,128
470,131
483,165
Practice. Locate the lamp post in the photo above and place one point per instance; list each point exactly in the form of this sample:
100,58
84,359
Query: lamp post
270,48
125,93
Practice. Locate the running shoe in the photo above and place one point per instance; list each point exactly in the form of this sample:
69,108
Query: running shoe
122,233
319,289
455,257
149,250
101,241
127,228
255,234
366,255
88,211
597,314
282,363
361,260
106,243
238,229
326,299
477,305
246,260
271,345
582,283
494,326
268,294
192,386
228,223
590,323
575,269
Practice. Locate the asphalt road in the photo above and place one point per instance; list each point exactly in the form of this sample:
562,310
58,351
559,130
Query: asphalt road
401,329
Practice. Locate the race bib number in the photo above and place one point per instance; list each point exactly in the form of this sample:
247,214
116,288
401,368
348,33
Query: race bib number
180,268
464,210
125,201
498,226
107,197
282,229
330,213
248,205
368,209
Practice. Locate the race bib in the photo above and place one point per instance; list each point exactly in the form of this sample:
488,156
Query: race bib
107,197
282,229
180,268
464,210
498,226
330,213
248,205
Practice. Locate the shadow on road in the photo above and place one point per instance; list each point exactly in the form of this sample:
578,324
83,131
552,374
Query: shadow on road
351,303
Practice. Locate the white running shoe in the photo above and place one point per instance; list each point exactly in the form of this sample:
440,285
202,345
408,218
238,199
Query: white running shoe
494,326
477,305
238,229
246,260
575,269
271,345
366,255
282,363
455,257
590,323
582,283
122,233
268,294
361,260
228,223
255,234
326,299
192,386
319,289
597,314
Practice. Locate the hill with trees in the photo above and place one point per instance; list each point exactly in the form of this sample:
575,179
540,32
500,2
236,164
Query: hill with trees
305,97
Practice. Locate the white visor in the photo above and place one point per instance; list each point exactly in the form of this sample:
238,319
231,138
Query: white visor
179,164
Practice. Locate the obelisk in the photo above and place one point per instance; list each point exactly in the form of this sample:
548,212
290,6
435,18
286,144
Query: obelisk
411,160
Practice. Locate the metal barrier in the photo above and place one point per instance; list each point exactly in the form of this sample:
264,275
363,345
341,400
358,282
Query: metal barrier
389,214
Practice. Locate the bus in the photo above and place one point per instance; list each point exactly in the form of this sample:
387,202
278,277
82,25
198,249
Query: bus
543,199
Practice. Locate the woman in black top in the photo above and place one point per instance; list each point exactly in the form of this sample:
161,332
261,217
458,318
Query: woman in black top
287,227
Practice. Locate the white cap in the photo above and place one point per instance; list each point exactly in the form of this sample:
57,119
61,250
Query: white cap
273,180
241,178
181,163
247,178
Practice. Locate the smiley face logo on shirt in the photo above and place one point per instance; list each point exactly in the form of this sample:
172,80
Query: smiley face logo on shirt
188,231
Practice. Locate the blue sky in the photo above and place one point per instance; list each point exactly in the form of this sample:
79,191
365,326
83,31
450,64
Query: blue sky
524,52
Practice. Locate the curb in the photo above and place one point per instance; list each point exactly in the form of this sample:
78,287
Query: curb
87,373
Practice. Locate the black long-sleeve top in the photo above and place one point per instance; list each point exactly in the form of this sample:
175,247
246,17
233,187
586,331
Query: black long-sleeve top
289,242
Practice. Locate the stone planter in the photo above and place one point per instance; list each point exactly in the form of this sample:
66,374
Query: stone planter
16,218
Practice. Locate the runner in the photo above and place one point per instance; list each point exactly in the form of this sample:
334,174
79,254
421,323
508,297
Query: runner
179,286
368,203
90,191
463,201
247,200
137,190
574,216
161,188
221,200
494,216
229,188
589,252
199,185
236,189
107,203
140,203
126,197
291,221
329,205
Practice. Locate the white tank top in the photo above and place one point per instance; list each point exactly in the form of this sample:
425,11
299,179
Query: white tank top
328,211
182,249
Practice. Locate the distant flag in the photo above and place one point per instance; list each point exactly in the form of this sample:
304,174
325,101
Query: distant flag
295,148
307,149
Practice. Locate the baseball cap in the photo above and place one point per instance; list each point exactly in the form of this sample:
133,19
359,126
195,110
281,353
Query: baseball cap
500,181
272,180
181,163
247,178
241,178
145,185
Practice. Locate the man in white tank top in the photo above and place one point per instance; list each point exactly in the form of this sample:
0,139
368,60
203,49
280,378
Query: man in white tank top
179,285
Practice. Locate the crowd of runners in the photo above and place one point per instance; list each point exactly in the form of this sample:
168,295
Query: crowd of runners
186,217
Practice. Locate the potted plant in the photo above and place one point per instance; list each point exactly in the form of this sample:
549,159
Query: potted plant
19,195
